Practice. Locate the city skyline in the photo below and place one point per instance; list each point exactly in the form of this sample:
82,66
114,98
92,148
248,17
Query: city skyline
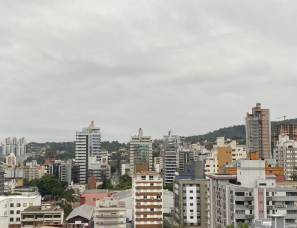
159,65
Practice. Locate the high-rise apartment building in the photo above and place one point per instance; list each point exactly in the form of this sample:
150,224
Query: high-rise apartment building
250,194
258,131
87,144
287,128
190,196
170,157
285,154
147,187
15,146
140,151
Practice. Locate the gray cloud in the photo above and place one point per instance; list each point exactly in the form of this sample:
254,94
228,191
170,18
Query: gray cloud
190,67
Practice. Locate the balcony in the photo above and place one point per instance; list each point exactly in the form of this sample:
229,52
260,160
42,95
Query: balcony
284,198
108,222
249,198
249,216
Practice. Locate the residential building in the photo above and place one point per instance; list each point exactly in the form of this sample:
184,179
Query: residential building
82,214
78,188
65,171
2,172
12,206
284,127
125,169
11,160
170,157
190,196
285,154
87,144
90,196
237,197
110,212
50,156
223,153
126,195
147,198
75,173
35,216
99,169
158,164
275,221
258,131
15,146
140,151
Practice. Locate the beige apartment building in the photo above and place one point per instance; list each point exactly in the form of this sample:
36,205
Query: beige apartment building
147,189
110,212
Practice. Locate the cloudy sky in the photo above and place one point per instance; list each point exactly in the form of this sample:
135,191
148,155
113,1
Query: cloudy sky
186,66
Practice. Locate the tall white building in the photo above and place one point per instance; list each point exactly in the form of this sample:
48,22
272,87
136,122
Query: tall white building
285,154
170,157
250,194
87,144
15,146
140,151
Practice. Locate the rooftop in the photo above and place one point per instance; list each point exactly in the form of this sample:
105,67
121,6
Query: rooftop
85,211
41,208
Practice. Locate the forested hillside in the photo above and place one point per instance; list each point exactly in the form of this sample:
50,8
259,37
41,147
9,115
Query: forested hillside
236,132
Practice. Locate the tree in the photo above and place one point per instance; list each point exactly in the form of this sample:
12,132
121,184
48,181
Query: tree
106,184
49,185
125,178
294,174
67,209
169,186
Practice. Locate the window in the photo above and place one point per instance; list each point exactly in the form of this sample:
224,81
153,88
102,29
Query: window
191,191
152,209
152,184
30,204
11,219
159,197
11,212
143,177
191,210
144,216
18,219
191,217
18,205
191,198
12,205
151,177
191,204
145,197
24,204
18,212
94,199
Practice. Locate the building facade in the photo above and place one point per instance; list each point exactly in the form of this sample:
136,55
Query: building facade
223,153
12,206
140,151
170,157
258,131
15,146
87,144
285,154
190,196
147,198
36,216
110,212
234,198
287,128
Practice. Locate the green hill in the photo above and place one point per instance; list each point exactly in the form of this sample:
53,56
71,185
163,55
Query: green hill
236,132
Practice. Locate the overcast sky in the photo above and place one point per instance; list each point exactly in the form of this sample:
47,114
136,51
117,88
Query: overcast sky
186,66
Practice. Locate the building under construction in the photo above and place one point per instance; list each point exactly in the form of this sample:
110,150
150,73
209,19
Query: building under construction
258,133
286,128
